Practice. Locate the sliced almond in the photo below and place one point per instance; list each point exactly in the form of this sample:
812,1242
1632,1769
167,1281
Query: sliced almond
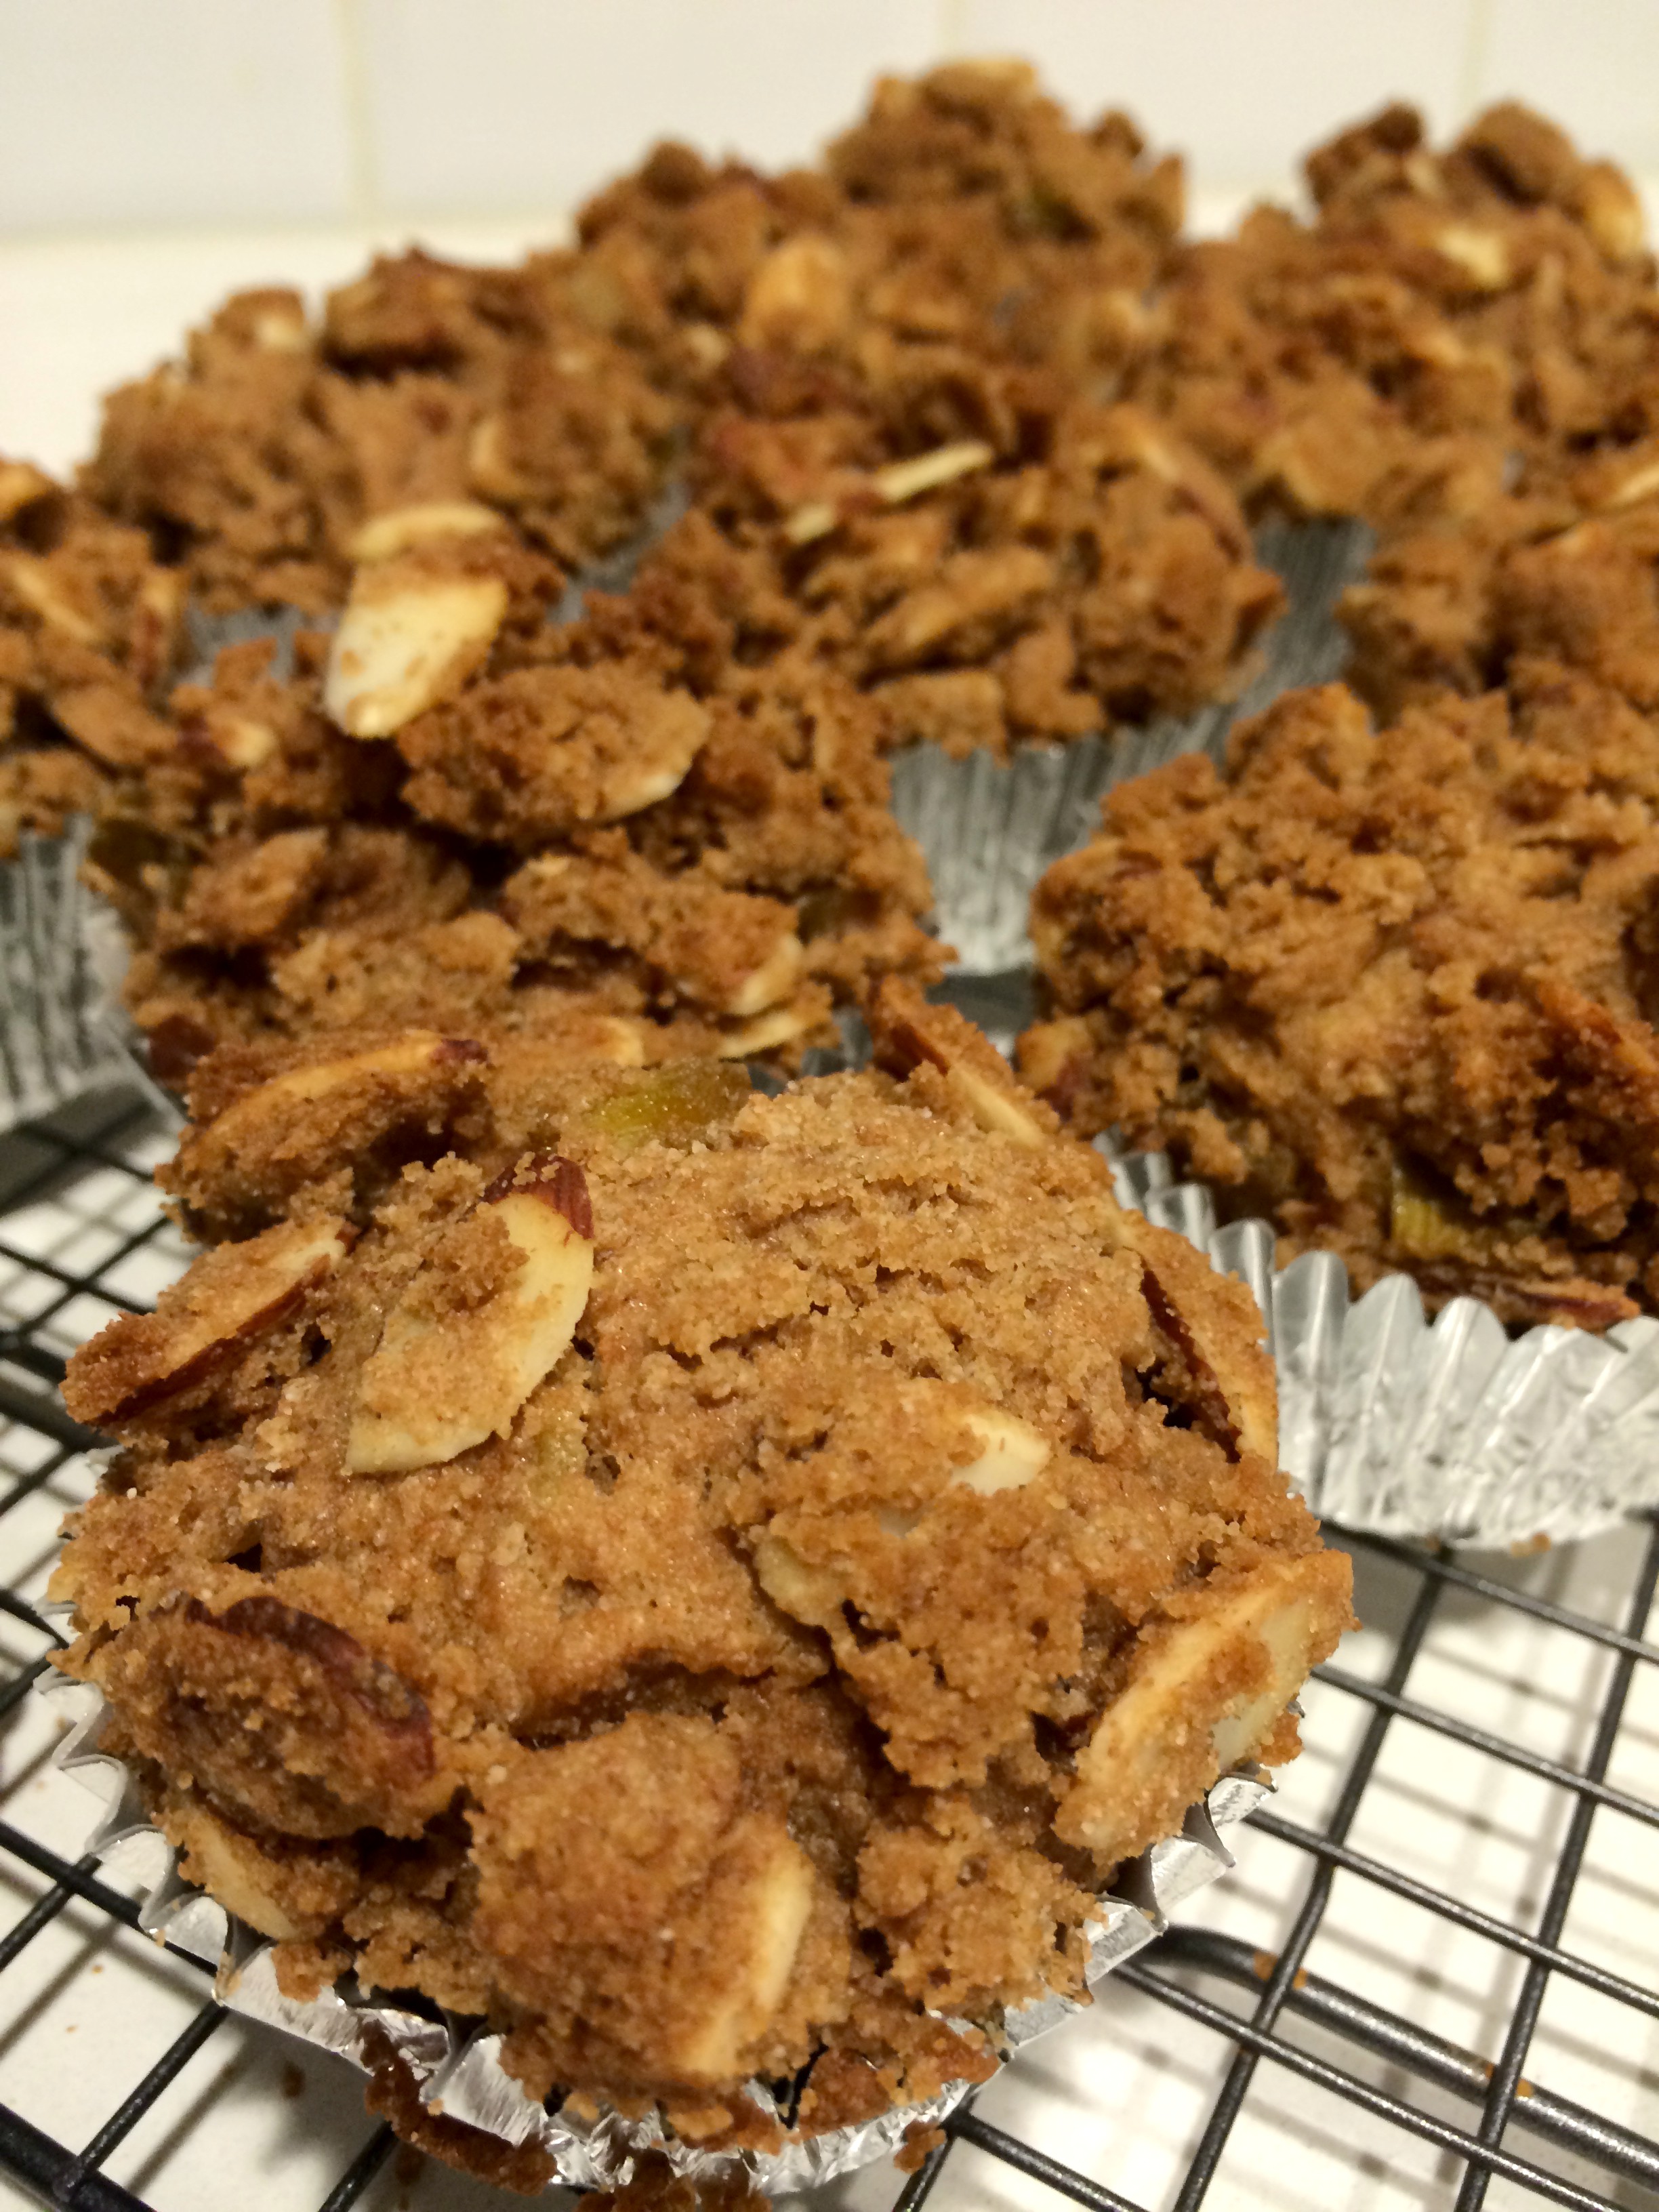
487,463
400,527
237,740
817,518
993,1107
1203,1693
761,1931
903,480
410,1056
20,484
33,580
1227,1368
440,1383
1013,1454
1642,482
808,1594
910,1033
799,296
229,1298
231,1865
408,638
767,1032
1483,255
618,1040
898,482
774,979
675,734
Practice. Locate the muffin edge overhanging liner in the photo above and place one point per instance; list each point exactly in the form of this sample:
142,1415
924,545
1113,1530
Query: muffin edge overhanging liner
455,2063
988,829
1450,1429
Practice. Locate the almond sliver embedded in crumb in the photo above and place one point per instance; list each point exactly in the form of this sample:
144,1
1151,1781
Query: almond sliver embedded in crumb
779,1026
34,584
1202,1695
400,527
1483,255
1013,1454
763,1929
772,980
437,1386
405,641
903,480
806,1592
816,519
898,482
1641,483
421,1048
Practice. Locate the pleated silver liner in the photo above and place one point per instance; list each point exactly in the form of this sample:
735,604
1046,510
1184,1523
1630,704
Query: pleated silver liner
56,1037
988,830
456,2065
1451,1428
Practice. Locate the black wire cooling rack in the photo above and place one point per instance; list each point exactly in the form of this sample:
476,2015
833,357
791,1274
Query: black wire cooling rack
1281,2029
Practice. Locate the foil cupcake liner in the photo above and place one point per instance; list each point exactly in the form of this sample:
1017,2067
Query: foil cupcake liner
1451,1428
57,1038
989,829
456,2064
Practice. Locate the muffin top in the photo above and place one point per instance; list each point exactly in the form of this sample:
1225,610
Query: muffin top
1393,986
709,1582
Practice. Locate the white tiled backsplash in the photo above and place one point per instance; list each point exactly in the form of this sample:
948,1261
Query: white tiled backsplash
195,113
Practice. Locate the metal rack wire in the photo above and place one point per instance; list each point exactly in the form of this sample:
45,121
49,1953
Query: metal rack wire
1490,2125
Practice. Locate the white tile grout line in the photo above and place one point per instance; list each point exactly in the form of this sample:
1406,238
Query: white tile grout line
1477,41
364,169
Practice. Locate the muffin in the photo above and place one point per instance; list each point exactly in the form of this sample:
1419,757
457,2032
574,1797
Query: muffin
1392,989
453,812
89,631
710,1584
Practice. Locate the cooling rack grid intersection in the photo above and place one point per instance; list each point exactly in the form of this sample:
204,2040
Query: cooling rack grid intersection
81,1236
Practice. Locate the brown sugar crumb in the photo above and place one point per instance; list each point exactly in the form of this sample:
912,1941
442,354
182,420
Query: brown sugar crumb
89,626
1442,312
1077,566
1391,988
722,1580
279,447
714,862
919,2145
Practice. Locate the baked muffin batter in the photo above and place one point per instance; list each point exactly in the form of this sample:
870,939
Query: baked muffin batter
711,1583
1394,987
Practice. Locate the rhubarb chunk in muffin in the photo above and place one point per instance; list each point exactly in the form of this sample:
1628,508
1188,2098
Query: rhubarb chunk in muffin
712,1584
1394,988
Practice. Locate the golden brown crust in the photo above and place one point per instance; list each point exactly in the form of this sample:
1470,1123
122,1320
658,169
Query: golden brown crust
784,1494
